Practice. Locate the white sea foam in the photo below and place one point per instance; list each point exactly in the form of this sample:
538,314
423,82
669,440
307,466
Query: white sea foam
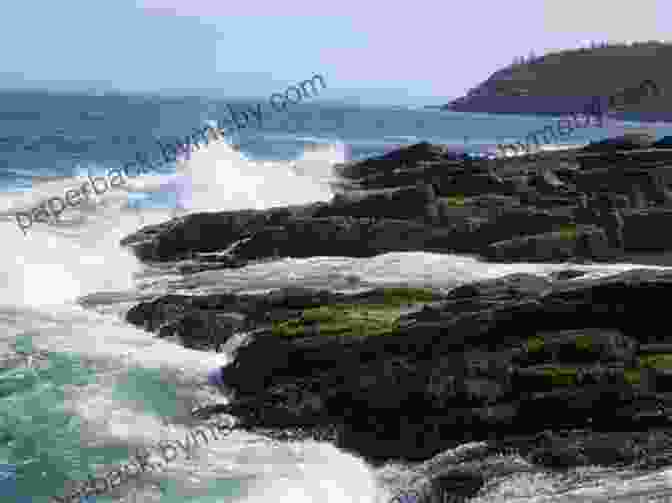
80,254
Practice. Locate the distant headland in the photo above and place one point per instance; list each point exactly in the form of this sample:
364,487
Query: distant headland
555,82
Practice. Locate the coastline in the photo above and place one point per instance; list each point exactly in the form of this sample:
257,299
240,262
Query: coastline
516,362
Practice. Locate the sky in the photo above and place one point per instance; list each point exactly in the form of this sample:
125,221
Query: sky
373,52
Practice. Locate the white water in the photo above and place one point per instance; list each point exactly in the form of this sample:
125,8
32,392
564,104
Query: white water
45,272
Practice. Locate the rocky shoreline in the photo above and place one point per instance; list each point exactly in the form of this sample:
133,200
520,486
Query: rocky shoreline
559,370
421,199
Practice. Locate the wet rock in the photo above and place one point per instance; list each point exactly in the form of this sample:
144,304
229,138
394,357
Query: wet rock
552,246
520,222
559,456
654,348
657,379
637,198
401,203
224,314
568,274
471,184
572,406
472,383
342,236
206,232
518,284
429,202
578,346
630,141
457,485
639,225
570,450
386,164
204,329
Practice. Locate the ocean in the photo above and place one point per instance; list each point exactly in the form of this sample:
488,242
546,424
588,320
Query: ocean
103,388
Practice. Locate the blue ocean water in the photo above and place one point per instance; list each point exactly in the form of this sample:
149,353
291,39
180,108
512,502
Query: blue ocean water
92,388
49,135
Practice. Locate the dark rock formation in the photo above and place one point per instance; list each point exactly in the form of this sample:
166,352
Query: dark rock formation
507,209
207,232
583,241
630,141
489,361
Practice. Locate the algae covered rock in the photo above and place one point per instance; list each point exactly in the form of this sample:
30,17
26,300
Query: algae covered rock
579,346
584,241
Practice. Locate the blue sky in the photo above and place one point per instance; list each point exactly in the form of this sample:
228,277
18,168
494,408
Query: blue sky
421,52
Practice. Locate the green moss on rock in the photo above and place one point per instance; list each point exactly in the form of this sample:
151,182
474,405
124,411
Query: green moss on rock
455,200
401,296
584,343
661,361
568,232
632,376
562,376
535,344
571,346
656,360
358,319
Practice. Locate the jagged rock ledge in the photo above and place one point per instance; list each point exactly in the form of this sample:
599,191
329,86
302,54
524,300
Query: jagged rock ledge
560,371
421,198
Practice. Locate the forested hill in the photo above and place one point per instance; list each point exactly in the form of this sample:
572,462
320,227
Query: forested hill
599,71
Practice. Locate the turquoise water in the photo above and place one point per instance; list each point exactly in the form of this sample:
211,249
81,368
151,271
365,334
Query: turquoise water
43,441
37,435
